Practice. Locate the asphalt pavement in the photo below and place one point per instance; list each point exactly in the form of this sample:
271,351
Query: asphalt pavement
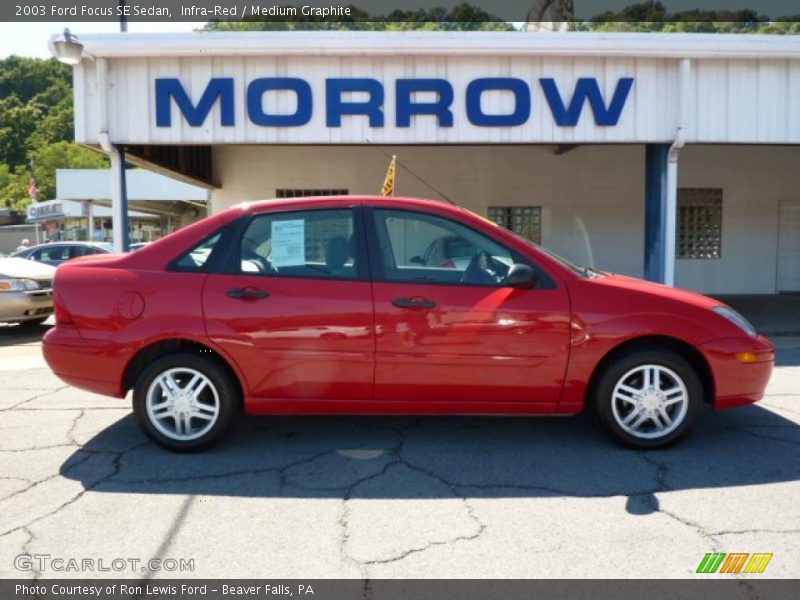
300,497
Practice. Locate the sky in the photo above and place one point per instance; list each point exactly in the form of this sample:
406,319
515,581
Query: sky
30,39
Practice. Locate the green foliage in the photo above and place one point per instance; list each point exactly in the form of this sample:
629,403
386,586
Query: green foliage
36,128
462,17
652,16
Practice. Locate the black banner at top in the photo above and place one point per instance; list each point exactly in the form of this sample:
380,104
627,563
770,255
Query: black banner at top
328,14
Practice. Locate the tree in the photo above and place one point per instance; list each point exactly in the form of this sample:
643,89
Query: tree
652,16
462,17
62,155
36,128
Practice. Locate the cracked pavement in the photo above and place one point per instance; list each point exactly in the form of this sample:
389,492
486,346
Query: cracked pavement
385,497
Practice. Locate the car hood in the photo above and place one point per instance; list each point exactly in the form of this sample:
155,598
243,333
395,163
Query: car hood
657,289
22,268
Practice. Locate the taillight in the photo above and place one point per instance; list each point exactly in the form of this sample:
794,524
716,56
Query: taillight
62,314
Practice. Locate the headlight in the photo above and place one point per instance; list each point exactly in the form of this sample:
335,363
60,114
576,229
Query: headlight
737,319
18,285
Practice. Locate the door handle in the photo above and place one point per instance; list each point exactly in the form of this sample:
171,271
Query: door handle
247,294
415,302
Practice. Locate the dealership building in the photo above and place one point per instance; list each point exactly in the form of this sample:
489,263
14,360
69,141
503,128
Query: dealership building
667,156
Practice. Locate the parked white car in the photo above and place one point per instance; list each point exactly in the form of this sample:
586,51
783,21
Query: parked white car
26,291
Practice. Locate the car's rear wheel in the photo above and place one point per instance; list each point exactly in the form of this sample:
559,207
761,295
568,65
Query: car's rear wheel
185,402
649,398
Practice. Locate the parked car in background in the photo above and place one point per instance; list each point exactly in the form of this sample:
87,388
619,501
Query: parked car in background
26,291
321,306
138,246
55,253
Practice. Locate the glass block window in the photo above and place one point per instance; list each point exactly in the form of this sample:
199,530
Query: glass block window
524,220
699,223
291,193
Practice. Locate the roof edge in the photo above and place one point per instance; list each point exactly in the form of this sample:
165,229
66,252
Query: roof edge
305,43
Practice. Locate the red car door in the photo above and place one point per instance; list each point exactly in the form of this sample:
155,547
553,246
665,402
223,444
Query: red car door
449,332
297,314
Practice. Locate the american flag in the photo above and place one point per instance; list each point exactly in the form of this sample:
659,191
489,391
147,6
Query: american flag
33,188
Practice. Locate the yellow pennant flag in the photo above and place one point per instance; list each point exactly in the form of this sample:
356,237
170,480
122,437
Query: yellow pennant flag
388,183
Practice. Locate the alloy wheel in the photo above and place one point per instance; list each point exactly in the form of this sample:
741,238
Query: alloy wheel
650,401
182,403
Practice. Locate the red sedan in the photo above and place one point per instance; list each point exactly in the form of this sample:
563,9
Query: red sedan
329,306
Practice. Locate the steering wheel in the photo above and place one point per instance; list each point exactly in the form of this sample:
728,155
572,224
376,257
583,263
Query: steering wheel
265,263
482,268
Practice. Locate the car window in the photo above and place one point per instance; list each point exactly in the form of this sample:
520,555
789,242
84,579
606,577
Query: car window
426,248
314,243
196,258
83,251
54,253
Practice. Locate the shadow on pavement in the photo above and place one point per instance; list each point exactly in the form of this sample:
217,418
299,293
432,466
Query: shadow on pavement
14,335
788,355
443,457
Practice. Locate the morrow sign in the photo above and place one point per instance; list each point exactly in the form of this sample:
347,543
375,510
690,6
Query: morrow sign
366,97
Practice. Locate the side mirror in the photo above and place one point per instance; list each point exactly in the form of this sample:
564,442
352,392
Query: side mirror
521,277
417,260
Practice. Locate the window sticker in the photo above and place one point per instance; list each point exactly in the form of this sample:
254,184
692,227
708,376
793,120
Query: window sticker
288,243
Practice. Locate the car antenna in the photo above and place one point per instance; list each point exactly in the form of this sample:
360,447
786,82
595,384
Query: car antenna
412,173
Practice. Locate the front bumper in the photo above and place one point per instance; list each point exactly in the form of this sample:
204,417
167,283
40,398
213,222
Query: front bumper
737,383
25,306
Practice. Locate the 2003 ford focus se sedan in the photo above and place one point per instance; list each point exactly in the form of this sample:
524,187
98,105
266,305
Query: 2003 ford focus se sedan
338,305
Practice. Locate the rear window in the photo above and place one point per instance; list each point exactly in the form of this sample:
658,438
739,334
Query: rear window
196,258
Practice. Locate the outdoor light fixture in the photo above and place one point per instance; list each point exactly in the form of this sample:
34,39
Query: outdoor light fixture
67,48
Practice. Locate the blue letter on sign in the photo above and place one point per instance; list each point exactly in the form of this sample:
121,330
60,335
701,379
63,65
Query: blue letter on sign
335,107
522,99
441,108
255,106
586,88
219,87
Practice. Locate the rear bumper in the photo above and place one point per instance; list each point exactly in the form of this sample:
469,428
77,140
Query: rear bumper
738,383
25,306
86,364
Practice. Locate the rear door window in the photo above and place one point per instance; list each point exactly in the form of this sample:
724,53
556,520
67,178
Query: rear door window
314,244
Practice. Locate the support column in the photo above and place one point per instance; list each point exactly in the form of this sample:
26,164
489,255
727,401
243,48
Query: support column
655,213
89,220
119,201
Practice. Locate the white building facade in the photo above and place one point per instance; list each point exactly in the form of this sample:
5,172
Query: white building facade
672,156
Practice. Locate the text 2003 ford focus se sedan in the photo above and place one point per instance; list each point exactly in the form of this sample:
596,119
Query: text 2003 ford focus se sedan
354,305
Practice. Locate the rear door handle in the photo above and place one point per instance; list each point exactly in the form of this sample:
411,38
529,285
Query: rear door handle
247,294
415,302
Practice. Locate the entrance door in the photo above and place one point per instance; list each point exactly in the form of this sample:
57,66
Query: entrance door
789,247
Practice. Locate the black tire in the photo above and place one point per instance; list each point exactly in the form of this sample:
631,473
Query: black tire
671,364
33,322
220,391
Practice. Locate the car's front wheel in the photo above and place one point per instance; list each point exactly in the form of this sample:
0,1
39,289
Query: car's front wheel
185,402
649,398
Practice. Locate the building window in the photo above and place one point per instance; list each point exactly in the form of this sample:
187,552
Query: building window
523,220
290,193
699,223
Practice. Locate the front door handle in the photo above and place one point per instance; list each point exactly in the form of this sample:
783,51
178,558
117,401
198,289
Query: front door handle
415,302
247,293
